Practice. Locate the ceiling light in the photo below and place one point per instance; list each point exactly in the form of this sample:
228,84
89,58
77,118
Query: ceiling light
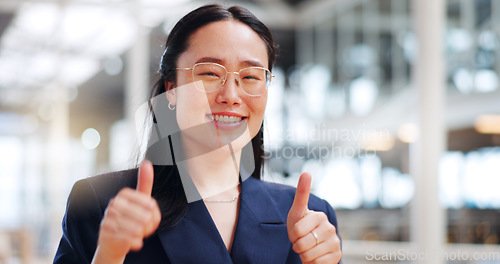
37,20
91,138
463,80
81,24
488,124
377,141
408,133
43,66
77,70
486,81
459,40
118,32
113,65
363,95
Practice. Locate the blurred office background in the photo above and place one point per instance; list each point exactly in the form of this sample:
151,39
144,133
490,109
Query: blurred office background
355,102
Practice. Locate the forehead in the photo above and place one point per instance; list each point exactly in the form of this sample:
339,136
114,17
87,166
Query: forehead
230,41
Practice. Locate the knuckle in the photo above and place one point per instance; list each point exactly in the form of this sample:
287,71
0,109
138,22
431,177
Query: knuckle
336,241
334,247
331,229
112,203
322,216
138,232
136,244
330,241
117,202
151,202
157,216
315,261
299,230
123,192
156,206
298,247
111,212
106,226
305,257
148,230
147,217
292,236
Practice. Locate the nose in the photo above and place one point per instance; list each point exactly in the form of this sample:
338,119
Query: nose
230,93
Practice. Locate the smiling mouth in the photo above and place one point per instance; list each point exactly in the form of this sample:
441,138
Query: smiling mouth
226,119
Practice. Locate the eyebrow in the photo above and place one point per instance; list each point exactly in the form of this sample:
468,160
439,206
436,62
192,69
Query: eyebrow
210,59
251,63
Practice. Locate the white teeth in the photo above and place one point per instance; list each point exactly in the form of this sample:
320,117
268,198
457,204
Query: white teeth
225,119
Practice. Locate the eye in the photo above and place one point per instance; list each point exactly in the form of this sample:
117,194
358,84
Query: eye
208,73
251,77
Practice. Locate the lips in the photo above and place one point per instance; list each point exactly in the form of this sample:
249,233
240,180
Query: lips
225,118
226,121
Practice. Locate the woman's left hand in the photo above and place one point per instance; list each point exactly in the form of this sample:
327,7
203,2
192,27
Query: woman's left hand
313,237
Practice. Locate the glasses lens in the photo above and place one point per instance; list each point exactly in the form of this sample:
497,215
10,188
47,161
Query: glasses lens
211,75
254,81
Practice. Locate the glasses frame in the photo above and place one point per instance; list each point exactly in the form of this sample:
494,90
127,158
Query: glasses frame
268,83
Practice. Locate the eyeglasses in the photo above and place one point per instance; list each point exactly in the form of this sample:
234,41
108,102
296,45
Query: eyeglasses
254,81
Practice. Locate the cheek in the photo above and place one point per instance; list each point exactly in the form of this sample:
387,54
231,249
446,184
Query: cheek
191,107
260,105
258,108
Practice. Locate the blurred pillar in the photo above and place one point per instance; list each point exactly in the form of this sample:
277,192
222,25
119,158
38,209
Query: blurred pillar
495,24
137,83
467,23
305,45
428,217
56,181
399,68
370,29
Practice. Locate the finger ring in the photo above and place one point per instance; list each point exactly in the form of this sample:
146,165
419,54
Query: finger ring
315,236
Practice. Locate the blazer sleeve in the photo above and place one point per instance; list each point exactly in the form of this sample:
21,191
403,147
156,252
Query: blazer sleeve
80,225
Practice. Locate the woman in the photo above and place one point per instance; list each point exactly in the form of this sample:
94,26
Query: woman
214,77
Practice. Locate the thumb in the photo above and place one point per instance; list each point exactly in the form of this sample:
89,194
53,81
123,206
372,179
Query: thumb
299,207
145,178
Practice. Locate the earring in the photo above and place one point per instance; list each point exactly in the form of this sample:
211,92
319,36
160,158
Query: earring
171,107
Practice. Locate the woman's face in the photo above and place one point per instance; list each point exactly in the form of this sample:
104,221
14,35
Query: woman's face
228,115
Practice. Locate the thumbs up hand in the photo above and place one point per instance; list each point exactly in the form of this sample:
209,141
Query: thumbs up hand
131,216
313,237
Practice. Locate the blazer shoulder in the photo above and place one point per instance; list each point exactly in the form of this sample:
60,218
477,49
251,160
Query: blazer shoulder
85,207
115,178
103,186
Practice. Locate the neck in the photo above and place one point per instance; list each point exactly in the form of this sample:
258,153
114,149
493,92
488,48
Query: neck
215,172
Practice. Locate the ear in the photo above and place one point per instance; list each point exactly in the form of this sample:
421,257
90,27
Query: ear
171,95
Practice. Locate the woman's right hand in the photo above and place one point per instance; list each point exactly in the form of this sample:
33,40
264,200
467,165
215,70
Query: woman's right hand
131,216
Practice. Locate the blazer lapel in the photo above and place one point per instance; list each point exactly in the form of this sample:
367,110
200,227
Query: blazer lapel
261,235
195,238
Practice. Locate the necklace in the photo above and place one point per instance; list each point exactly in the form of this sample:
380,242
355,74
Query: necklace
223,201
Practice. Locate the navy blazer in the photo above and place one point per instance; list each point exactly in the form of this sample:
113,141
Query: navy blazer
260,237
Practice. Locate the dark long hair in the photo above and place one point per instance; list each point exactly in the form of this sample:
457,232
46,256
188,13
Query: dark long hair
167,188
